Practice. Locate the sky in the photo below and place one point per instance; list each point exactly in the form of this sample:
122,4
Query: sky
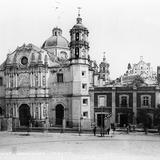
124,29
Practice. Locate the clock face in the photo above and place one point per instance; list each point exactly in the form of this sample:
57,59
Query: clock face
24,60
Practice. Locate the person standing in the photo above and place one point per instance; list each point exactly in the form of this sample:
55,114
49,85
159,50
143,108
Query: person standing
94,130
107,125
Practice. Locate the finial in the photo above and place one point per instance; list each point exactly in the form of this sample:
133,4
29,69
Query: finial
79,9
104,56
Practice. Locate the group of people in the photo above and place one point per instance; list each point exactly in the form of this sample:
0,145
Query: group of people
104,129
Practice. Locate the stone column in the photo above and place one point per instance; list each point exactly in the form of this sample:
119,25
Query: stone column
135,103
32,114
31,79
113,105
34,110
39,107
8,80
16,81
42,111
17,115
14,110
39,79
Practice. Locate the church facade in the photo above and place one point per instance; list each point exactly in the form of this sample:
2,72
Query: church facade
51,82
59,84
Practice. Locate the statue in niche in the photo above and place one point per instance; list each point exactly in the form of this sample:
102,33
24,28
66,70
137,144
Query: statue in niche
36,80
45,110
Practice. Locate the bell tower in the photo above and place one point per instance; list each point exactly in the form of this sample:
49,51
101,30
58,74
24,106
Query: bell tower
104,69
79,66
79,45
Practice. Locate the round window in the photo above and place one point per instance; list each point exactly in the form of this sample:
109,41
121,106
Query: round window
24,60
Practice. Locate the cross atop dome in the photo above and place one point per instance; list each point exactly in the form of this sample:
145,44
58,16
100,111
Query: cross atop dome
79,9
79,19
104,56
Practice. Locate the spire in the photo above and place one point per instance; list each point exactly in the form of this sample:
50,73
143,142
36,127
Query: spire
79,19
79,10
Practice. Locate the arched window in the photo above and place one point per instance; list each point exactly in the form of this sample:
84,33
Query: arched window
77,36
77,52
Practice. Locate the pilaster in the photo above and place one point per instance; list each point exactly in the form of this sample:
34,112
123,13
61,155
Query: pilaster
135,103
113,105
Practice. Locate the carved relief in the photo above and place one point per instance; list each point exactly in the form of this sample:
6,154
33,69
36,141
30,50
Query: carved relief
23,92
24,80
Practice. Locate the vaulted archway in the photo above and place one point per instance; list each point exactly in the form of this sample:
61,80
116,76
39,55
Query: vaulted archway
59,114
24,115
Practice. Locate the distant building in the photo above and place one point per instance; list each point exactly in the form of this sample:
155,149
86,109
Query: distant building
143,69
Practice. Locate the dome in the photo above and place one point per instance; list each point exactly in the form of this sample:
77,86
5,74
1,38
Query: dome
56,40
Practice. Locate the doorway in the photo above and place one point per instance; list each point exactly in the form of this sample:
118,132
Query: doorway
100,120
59,114
24,115
123,120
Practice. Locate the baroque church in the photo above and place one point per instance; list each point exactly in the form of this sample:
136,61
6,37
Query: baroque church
52,82
60,85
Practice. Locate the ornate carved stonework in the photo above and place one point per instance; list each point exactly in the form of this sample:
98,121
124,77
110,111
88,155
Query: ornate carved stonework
36,79
24,92
44,80
36,112
45,110
24,80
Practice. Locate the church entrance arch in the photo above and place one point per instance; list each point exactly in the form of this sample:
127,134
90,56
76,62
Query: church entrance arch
59,114
24,115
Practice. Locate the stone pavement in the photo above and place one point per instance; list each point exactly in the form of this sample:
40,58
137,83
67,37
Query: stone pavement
72,146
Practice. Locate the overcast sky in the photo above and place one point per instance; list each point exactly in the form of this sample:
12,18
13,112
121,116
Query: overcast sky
124,29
